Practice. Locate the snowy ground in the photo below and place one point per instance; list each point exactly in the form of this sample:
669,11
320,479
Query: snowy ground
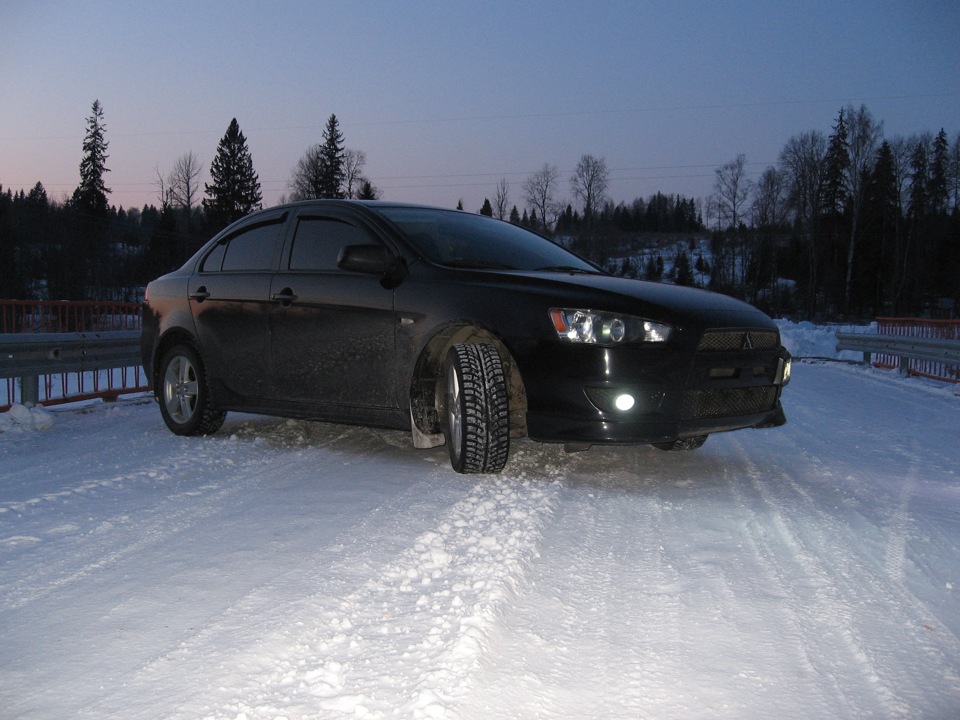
300,570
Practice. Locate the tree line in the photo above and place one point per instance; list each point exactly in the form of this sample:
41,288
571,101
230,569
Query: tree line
862,225
82,248
845,224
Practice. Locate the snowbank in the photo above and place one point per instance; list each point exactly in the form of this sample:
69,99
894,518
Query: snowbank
20,417
807,340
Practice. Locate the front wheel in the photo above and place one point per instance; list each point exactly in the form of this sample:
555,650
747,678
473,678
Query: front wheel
476,421
185,394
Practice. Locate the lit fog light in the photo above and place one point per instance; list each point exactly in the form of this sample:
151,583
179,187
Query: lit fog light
625,402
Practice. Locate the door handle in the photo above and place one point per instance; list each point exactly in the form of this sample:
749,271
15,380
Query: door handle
200,294
284,297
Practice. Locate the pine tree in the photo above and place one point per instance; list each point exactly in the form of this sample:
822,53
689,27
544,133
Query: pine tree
939,188
331,161
882,218
683,275
236,188
90,197
919,198
654,269
367,191
487,208
837,162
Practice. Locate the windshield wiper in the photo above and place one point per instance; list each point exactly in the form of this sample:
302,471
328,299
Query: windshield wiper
477,264
569,269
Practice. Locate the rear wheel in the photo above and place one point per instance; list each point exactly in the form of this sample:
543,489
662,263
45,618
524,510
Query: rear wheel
476,420
185,402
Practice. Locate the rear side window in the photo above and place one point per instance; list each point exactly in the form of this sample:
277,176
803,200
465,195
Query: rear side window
318,241
249,250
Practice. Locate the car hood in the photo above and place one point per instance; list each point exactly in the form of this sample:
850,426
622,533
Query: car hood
655,301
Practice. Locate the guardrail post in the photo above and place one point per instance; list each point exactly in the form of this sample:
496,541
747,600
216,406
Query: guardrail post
30,390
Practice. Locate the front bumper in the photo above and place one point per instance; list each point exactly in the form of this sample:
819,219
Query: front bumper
642,394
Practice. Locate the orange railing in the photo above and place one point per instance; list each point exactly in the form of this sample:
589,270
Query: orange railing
56,316
33,316
919,327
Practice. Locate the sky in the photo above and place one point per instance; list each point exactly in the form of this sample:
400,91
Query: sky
448,98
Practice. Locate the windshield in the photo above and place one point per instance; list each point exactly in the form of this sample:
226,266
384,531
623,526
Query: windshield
459,239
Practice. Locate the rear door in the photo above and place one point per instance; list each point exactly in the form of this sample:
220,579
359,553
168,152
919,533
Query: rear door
332,331
230,301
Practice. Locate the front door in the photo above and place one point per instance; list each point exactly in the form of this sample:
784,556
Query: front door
332,331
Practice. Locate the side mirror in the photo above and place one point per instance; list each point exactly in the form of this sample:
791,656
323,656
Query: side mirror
369,259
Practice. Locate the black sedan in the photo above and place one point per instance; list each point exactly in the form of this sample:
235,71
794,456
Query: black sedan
462,329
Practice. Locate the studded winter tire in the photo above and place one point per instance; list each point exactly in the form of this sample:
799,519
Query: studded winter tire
475,409
185,401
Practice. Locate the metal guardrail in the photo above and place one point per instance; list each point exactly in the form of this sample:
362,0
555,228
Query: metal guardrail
943,354
28,356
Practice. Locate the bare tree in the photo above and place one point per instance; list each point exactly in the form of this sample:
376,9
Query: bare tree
769,213
184,180
589,183
769,209
501,202
802,162
306,182
864,135
733,188
184,186
539,192
163,192
353,163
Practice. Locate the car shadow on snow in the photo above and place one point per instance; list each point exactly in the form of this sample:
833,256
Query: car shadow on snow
346,441
638,469
644,469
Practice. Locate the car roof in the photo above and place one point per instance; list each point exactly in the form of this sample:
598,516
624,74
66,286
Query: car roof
362,203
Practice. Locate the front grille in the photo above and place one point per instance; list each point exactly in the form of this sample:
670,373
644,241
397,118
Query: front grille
727,340
721,402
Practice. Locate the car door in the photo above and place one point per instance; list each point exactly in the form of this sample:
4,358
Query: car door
332,331
230,301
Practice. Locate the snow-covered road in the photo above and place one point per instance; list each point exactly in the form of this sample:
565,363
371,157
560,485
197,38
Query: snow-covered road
285,569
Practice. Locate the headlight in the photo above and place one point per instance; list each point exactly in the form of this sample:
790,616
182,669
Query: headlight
787,368
603,328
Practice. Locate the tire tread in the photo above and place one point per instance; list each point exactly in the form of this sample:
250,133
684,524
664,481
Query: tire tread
486,418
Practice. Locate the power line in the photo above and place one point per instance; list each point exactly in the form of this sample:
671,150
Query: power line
523,116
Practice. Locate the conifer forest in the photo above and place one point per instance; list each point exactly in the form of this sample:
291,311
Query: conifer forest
848,224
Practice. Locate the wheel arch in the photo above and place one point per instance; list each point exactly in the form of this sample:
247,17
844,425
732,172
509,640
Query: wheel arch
428,376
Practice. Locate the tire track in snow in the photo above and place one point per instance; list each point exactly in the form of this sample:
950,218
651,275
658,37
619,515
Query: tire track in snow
578,643
832,560
426,614
119,537
814,616
261,459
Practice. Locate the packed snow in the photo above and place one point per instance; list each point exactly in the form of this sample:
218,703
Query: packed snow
288,569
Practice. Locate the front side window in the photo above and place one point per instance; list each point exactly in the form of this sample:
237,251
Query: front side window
317,243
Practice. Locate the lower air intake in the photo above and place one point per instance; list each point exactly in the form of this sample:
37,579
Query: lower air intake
727,402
